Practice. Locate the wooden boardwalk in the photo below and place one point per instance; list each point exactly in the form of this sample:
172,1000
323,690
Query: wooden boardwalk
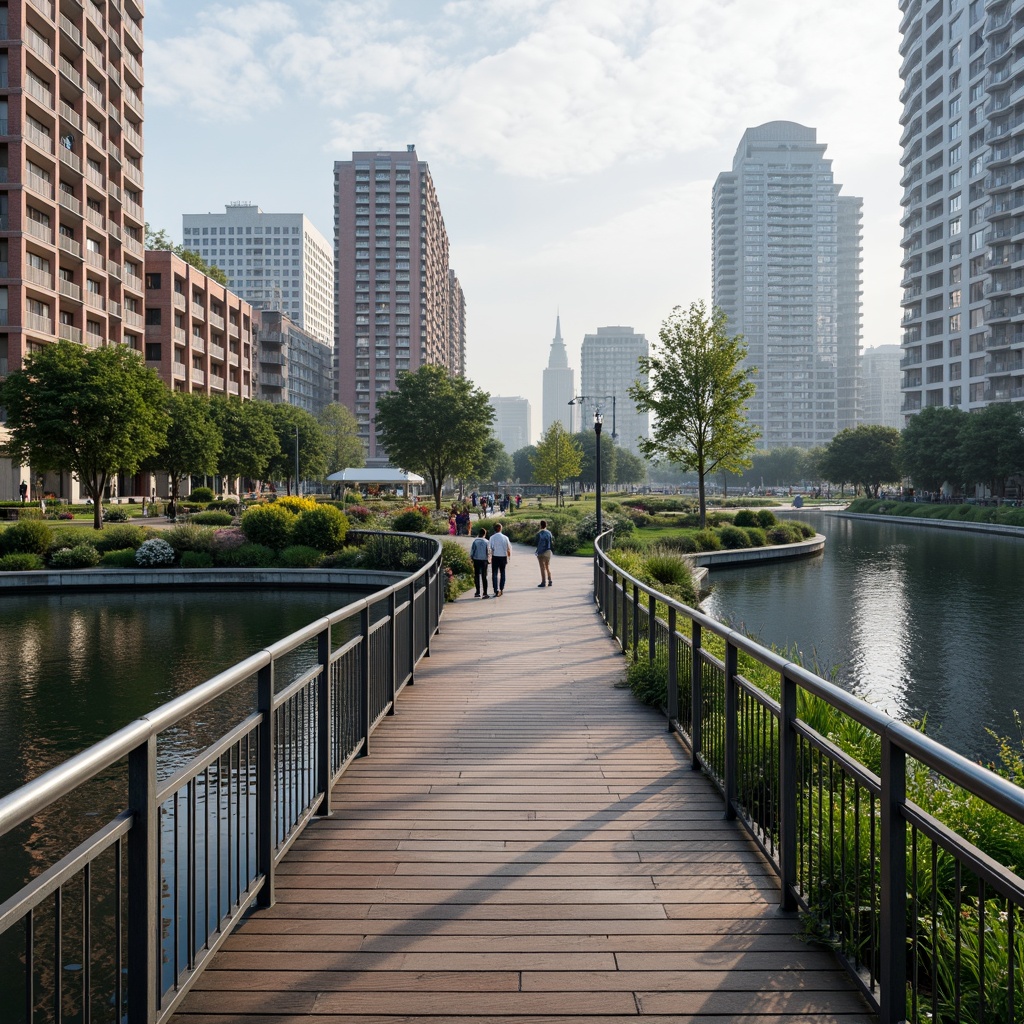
525,843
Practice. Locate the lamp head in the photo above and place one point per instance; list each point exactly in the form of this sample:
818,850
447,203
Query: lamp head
598,420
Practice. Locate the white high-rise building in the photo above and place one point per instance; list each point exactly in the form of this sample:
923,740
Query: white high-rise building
609,364
880,386
559,385
275,261
786,272
963,180
511,422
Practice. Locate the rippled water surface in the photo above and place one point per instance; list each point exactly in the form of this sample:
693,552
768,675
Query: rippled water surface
917,621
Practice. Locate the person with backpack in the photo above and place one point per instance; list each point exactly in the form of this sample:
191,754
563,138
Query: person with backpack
479,552
545,542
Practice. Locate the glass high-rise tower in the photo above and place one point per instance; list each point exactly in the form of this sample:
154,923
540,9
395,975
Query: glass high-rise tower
786,272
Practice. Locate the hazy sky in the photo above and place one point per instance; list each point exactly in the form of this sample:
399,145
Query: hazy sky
573,143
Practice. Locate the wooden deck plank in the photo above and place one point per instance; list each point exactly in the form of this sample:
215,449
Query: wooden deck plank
524,844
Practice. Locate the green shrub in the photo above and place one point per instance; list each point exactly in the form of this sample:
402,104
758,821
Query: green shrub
566,543
648,680
745,517
346,558
113,514
212,517
189,537
412,520
384,553
806,530
22,561
122,558
324,528
119,537
455,557
683,542
201,495
707,540
155,553
269,525
766,519
668,568
758,538
196,560
248,556
26,537
410,561
82,556
300,556
733,537
784,533
294,503
223,505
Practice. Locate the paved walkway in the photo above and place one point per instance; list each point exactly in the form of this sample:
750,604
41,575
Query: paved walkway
524,843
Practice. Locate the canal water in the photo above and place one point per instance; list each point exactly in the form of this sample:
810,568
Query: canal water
920,622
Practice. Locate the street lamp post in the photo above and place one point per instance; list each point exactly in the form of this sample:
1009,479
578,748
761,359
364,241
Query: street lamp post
598,422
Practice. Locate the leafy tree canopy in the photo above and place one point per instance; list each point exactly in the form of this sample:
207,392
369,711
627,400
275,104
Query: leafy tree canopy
495,464
290,423
345,447
434,424
868,456
161,240
249,439
587,441
930,447
522,462
697,388
558,457
192,443
92,412
992,445
629,468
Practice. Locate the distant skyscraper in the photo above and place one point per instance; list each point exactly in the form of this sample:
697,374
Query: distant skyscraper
786,272
275,261
559,385
511,422
963,180
394,310
608,366
294,366
456,326
880,386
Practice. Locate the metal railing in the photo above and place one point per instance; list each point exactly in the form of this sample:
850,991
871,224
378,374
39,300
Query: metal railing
121,926
929,926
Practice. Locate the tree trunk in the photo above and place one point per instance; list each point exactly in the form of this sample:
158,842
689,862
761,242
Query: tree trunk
701,503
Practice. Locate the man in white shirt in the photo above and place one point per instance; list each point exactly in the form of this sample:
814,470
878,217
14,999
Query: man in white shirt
501,552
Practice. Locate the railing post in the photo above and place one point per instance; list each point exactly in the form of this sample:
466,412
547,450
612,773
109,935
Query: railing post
393,661
636,622
732,732
265,785
324,720
143,886
787,793
625,617
615,604
652,627
893,911
428,594
412,633
696,695
672,694
364,679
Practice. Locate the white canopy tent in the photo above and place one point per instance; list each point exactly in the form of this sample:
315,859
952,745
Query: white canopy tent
388,477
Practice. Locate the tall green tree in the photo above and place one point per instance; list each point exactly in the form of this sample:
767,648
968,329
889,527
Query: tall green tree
292,426
249,439
192,444
559,457
522,462
930,447
91,412
868,456
629,468
992,445
434,424
495,464
697,388
345,447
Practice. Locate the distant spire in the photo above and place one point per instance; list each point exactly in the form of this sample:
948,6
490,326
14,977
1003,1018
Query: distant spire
559,357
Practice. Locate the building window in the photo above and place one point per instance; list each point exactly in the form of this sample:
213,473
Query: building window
153,352
153,316
152,281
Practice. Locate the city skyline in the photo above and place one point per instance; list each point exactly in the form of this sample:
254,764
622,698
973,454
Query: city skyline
571,177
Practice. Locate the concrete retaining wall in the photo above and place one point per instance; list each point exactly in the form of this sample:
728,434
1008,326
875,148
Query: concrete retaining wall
942,524
754,556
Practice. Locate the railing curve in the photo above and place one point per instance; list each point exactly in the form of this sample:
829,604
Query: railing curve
121,926
930,926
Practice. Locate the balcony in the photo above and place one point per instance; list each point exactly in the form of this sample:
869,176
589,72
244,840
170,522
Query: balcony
95,301
179,335
66,332
198,375
38,139
179,301
38,322
198,310
69,203
69,245
216,320
39,184
133,319
41,231
179,371
40,277
71,159
198,343
70,290
39,92
45,7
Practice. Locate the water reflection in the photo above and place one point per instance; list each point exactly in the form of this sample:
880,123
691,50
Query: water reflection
919,622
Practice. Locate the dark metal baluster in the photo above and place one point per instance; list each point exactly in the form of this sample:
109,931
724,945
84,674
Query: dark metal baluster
118,931
87,943
672,692
30,966
957,989
58,956
981,949
143,885
265,775
696,696
731,736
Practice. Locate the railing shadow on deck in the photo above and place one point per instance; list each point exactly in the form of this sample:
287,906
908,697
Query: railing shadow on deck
120,927
930,926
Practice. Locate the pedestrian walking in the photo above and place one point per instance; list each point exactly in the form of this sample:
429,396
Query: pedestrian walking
501,553
544,545
23,491
479,553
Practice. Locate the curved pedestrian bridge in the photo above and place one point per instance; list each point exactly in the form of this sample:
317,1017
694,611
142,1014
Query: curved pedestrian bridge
525,842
